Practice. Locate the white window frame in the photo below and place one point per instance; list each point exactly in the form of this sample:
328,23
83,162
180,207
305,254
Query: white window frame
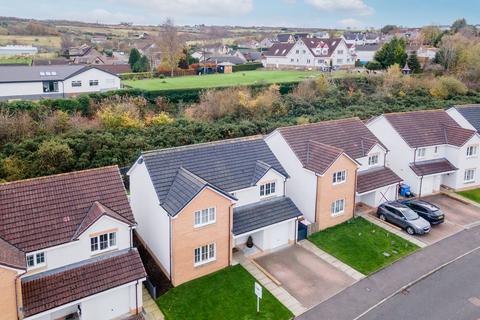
371,157
337,207
421,153
339,177
97,241
76,84
35,259
93,83
265,189
472,151
205,254
469,175
204,217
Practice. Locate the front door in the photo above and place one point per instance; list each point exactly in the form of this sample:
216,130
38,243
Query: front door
302,232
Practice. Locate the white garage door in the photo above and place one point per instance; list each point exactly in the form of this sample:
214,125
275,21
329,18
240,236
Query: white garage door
276,236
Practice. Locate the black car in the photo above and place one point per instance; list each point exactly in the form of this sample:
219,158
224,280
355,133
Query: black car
426,210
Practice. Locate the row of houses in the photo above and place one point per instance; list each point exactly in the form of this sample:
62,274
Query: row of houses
66,248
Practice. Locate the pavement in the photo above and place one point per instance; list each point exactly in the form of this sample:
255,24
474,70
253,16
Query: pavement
150,308
358,299
449,293
304,275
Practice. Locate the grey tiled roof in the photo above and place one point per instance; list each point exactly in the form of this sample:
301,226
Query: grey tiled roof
261,214
261,168
471,113
228,165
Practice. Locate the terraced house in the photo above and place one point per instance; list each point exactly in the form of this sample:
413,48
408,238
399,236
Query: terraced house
333,165
66,249
429,149
196,205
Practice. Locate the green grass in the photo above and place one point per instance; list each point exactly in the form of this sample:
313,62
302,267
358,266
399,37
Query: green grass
226,294
362,245
222,80
13,60
471,194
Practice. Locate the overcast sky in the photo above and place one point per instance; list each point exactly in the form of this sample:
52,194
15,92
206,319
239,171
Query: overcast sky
289,13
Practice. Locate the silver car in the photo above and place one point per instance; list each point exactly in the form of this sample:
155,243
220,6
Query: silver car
400,215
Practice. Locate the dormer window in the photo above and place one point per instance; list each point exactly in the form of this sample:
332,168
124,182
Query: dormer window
103,242
373,160
421,153
267,189
36,260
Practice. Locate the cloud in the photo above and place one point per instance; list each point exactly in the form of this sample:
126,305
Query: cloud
351,23
220,8
358,7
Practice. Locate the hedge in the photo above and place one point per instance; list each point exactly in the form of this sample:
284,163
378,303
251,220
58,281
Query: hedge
247,66
136,75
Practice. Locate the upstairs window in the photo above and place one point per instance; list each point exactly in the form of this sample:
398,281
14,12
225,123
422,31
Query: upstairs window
421,153
339,177
93,83
373,160
472,151
36,260
340,52
103,242
267,189
76,83
205,217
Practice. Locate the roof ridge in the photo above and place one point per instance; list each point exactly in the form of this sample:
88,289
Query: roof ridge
413,111
57,175
326,145
204,144
318,123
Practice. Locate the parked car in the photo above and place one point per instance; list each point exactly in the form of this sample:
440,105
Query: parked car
426,210
404,217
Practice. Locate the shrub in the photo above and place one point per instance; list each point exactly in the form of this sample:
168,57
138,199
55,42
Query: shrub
247,66
159,119
373,65
53,157
447,86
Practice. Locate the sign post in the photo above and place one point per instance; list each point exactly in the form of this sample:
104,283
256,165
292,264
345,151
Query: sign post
258,293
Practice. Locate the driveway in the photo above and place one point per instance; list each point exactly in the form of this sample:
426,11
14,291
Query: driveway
457,212
304,275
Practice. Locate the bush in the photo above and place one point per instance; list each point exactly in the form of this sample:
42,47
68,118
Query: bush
247,66
373,65
447,86
136,75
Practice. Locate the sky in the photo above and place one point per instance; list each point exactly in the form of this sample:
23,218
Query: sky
284,13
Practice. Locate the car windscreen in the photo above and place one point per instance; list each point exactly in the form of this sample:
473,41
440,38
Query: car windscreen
409,213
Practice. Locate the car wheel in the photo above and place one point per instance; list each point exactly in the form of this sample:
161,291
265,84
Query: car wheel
410,231
383,218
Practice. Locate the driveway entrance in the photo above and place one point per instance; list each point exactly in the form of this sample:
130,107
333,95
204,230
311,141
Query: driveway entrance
304,275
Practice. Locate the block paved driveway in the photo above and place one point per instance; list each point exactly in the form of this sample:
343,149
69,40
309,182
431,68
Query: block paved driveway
305,276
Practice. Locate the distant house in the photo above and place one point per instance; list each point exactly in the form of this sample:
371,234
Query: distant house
427,53
54,81
14,50
310,53
321,35
250,44
286,38
361,38
226,58
248,55
366,53
267,43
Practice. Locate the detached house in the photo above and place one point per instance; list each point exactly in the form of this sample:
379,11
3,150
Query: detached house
467,116
429,149
66,248
310,53
195,204
333,165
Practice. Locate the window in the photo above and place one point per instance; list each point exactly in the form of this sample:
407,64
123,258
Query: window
472,151
340,52
297,52
292,60
338,207
339,61
103,242
339,177
421,152
204,217
93,83
267,189
435,150
373,160
308,60
50,86
76,83
469,175
36,260
204,254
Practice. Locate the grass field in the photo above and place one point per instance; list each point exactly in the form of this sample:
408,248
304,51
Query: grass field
12,60
362,245
45,41
222,80
471,194
226,294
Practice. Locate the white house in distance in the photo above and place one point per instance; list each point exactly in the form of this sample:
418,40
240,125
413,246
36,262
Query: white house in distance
429,149
71,237
17,50
54,81
310,53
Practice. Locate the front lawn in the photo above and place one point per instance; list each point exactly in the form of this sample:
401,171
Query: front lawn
222,80
471,194
362,245
226,294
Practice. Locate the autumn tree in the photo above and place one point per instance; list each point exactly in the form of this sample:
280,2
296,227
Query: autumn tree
431,35
170,45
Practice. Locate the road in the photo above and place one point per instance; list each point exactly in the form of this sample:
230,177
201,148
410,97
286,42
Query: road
369,293
450,293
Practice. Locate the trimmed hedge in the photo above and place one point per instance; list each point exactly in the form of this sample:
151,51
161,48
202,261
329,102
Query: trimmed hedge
136,75
247,66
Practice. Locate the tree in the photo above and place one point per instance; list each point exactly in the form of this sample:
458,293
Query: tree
393,52
134,57
53,157
142,65
170,45
388,28
413,63
430,35
459,24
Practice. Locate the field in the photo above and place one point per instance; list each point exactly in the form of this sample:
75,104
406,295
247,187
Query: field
44,41
15,60
222,80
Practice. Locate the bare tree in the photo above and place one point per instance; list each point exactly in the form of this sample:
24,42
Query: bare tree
171,45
